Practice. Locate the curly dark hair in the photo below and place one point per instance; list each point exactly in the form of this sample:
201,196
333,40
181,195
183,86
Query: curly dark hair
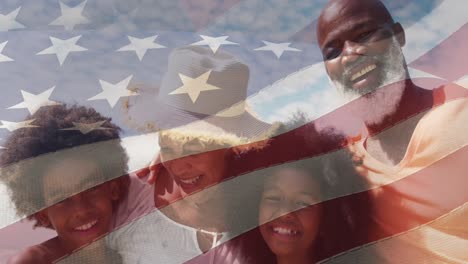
31,151
335,174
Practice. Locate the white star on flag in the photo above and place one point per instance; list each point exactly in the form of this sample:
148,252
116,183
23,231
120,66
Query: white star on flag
113,92
213,42
141,46
194,86
3,57
62,47
8,21
86,128
12,126
33,102
71,16
277,48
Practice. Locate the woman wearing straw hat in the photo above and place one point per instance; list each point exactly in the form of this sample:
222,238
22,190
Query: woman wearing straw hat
205,126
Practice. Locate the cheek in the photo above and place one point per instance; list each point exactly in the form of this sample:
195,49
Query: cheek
265,213
103,202
379,47
310,221
58,215
213,167
167,163
105,209
333,68
218,172
264,233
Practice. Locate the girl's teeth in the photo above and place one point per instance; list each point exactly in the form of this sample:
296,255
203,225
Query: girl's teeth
363,71
284,231
191,181
86,226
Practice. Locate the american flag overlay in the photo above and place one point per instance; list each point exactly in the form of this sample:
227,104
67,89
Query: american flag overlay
233,131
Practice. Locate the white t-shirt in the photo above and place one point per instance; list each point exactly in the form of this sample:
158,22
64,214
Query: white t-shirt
144,234
155,238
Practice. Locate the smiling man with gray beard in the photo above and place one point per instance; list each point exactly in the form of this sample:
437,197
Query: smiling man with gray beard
361,45
411,145
392,71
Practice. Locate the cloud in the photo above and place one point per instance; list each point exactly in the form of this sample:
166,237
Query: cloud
270,19
292,84
315,105
141,150
432,29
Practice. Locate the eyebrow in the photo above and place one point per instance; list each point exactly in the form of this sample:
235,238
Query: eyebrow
345,28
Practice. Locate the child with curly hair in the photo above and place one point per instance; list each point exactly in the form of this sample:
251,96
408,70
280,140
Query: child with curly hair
64,174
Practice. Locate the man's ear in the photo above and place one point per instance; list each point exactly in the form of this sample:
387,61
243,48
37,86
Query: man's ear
399,33
43,218
114,190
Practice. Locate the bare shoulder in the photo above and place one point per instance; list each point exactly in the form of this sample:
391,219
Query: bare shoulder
43,253
451,114
34,254
441,131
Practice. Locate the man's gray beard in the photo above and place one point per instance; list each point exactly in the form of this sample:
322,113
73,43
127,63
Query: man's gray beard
377,106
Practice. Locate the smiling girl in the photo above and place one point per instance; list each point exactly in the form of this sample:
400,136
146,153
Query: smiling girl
302,217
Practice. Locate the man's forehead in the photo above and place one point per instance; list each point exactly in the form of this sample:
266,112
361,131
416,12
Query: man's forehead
342,7
347,15
346,27
71,176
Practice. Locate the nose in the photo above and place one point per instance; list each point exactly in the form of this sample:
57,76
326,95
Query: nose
80,203
285,211
352,51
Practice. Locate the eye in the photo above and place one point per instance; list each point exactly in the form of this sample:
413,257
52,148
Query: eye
374,35
93,190
365,36
331,53
271,198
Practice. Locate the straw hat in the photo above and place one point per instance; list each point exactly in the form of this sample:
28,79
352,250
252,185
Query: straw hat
199,87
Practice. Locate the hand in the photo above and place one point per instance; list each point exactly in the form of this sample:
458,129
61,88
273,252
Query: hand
150,171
